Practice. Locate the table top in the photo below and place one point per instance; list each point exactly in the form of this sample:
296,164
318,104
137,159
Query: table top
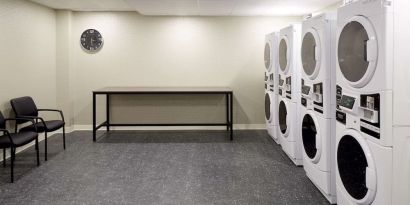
163,90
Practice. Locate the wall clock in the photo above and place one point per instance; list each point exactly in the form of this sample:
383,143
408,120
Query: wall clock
91,40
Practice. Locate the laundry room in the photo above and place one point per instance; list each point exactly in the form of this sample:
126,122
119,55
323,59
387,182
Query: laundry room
204,102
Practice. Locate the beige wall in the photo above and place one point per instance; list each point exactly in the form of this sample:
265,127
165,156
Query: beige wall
64,63
27,53
138,51
172,51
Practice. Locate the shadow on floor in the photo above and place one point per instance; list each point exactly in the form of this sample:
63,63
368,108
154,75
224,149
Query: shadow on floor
177,137
26,160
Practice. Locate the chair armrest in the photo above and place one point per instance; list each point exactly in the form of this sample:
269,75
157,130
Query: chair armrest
8,134
33,118
53,110
23,118
4,131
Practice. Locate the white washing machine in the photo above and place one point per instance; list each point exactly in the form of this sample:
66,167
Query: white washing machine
364,168
271,97
289,92
318,102
373,124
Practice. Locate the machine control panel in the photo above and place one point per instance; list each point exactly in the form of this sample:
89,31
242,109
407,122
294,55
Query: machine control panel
271,82
289,81
305,90
338,96
289,86
370,120
271,78
281,81
347,102
318,97
365,107
371,102
341,116
318,88
303,102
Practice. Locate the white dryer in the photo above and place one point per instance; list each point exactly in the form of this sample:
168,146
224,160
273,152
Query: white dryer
271,97
318,102
373,125
289,92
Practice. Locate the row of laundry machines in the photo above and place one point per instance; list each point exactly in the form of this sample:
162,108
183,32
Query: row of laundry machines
337,100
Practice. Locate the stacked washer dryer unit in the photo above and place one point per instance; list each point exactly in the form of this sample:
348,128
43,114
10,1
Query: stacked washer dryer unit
289,92
318,102
271,57
373,121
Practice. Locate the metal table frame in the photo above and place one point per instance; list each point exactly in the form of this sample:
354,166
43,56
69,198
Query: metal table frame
158,91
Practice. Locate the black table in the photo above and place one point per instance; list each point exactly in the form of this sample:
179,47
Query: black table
108,91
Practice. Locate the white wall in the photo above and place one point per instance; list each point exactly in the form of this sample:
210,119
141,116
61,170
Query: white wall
330,8
172,51
27,53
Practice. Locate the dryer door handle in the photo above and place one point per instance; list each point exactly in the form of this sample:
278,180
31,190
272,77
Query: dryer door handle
371,50
317,53
371,180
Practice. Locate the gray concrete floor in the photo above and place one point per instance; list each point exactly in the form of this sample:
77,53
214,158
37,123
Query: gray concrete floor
166,167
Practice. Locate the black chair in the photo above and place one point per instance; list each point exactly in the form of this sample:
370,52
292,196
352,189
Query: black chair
24,107
14,140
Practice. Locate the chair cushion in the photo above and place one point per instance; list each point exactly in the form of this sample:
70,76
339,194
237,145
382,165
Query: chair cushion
51,126
19,139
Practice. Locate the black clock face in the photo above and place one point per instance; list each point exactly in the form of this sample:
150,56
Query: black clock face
91,40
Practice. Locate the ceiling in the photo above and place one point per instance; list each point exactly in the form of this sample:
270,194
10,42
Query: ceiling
196,7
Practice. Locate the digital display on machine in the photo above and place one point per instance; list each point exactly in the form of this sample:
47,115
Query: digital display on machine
347,101
305,90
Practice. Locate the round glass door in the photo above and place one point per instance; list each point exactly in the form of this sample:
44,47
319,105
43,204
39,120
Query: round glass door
267,57
352,164
267,107
310,48
357,51
309,133
283,55
283,114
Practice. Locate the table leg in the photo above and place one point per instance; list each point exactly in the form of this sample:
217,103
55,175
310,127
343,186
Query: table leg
94,117
231,114
108,112
227,111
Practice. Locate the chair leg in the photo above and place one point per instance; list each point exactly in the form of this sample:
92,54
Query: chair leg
4,157
64,136
12,163
45,146
37,153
